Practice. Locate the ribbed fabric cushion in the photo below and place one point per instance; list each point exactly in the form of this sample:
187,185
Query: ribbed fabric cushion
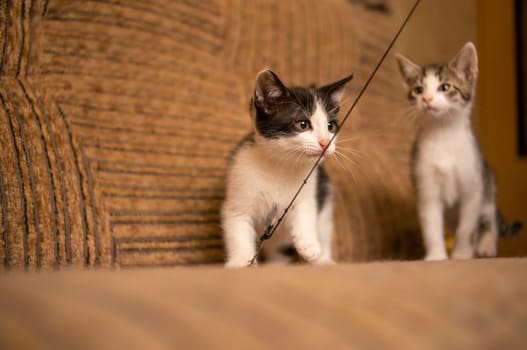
117,118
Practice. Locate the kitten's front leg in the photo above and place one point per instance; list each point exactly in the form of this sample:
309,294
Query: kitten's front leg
325,234
470,208
431,217
239,234
304,230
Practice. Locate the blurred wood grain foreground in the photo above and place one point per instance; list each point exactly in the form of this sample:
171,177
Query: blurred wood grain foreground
478,304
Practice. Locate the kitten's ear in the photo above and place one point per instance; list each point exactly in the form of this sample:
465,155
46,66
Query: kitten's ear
409,70
268,90
335,90
465,64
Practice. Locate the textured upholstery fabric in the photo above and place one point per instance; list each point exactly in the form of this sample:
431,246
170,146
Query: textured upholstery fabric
117,118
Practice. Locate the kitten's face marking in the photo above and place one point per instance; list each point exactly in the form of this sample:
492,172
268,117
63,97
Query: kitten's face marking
441,90
296,122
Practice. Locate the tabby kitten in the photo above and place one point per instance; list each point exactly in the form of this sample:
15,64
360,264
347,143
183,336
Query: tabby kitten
291,128
455,187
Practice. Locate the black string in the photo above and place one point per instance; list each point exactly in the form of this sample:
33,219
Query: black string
271,228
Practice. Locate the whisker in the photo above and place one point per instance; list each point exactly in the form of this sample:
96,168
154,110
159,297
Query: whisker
295,155
359,135
347,158
354,153
348,139
353,140
346,169
403,117
287,157
352,162
349,148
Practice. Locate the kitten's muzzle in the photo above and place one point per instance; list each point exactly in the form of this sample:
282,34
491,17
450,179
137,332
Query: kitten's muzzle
427,100
323,143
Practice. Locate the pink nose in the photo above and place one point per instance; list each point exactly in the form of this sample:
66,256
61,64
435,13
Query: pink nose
323,143
427,99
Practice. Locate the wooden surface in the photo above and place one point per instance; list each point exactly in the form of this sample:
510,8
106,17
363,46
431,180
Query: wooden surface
480,304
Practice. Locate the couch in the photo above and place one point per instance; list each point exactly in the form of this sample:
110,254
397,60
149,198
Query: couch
118,118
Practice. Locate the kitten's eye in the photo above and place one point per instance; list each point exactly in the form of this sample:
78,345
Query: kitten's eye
418,90
303,125
332,126
444,87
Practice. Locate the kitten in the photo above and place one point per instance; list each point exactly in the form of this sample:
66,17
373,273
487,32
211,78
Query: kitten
456,189
291,128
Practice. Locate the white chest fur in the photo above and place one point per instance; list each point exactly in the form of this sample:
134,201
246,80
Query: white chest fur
259,187
448,161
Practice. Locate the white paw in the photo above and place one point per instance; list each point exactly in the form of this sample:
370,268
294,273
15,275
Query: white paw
325,261
487,246
436,256
309,250
463,253
238,262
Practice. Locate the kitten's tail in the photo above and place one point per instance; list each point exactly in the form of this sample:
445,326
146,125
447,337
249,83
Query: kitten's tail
506,230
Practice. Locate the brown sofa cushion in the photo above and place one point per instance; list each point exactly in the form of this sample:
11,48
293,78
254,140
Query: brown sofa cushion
118,118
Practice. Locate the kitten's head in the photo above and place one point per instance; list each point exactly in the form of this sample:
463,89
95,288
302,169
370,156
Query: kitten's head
297,122
442,90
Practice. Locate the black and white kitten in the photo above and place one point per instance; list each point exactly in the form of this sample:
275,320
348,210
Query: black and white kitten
292,126
455,187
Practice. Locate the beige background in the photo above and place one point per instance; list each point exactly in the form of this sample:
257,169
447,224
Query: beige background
497,112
